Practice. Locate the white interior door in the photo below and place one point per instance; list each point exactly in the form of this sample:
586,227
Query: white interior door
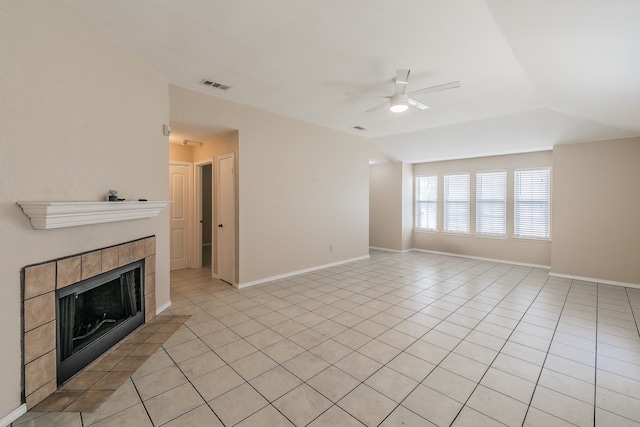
179,178
226,218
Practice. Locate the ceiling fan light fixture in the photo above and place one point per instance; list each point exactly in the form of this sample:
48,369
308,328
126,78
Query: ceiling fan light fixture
399,102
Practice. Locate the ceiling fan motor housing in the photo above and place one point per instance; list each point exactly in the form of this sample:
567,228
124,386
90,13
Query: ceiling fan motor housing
399,102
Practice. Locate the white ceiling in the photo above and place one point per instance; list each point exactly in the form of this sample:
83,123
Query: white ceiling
533,73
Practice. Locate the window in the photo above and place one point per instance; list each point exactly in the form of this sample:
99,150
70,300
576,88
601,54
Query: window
532,211
456,203
427,202
491,203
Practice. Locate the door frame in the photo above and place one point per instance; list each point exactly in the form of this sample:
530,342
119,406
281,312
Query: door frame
232,156
189,215
197,212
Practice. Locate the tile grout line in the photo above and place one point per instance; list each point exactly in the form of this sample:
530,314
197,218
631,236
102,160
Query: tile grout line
628,300
141,401
188,380
451,291
595,368
500,351
390,292
566,297
226,363
374,338
229,365
416,340
461,340
633,312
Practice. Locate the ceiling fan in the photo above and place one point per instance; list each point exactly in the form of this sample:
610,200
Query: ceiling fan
400,100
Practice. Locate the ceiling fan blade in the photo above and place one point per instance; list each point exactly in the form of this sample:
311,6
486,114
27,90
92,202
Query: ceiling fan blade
375,95
378,107
402,79
417,104
438,88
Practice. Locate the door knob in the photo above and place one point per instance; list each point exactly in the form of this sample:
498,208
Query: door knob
219,225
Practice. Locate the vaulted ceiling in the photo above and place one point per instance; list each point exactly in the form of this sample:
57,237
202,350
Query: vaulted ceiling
533,73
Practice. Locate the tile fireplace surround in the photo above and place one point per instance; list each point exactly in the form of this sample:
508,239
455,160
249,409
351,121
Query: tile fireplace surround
39,283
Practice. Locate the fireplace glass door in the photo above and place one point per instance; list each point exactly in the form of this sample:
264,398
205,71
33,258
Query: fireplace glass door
95,314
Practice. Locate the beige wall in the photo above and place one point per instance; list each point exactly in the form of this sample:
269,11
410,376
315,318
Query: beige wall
385,206
391,206
596,210
180,153
407,206
302,187
509,249
78,116
217,146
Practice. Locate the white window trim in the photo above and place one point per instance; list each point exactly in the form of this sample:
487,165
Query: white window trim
549,203
531,239
424,230
491,236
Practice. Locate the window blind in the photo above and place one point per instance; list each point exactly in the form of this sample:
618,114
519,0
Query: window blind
491,203
456,203
532,213
427,203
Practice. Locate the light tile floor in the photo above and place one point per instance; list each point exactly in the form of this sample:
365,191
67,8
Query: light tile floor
410,339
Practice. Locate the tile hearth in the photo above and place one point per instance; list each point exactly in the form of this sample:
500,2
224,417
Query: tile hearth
88,389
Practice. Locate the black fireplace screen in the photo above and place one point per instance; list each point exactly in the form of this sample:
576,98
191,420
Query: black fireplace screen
95,314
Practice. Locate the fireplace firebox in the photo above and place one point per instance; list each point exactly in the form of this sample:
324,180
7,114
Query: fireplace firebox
95,314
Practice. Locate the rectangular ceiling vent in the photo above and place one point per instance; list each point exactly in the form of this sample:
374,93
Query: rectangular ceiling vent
215,84
360,128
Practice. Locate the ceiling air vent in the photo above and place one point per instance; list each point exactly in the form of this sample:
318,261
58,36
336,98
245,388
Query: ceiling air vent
360,128
215,84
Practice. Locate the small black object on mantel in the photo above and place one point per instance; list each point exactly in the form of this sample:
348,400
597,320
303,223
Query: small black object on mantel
112,196
142,200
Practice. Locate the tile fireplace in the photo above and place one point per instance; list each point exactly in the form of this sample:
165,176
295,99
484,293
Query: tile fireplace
59,289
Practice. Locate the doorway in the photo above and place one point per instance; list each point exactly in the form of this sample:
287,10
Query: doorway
203,206
203,216
206,214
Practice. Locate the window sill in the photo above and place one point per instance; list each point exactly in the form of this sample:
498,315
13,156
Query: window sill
422,230
451,233
530,239
490,236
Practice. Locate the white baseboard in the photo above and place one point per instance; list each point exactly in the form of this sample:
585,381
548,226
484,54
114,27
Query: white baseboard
502,261
404,251
591,279
13,415
295,273
162,308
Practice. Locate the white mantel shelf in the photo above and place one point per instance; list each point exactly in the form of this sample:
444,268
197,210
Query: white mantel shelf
47,215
